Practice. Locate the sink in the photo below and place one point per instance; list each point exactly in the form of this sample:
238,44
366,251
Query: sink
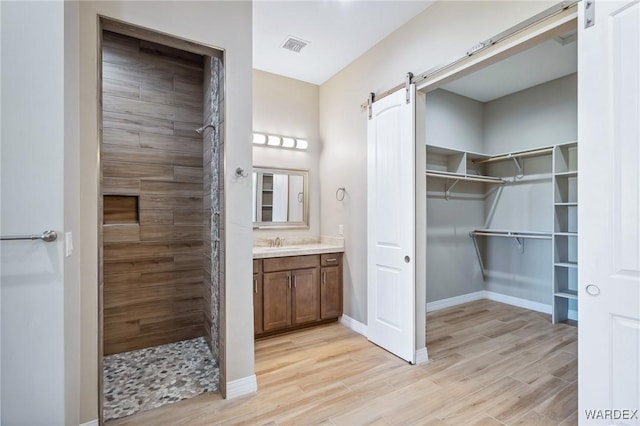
285,248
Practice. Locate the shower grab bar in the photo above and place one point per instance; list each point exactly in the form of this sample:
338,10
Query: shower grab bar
47,236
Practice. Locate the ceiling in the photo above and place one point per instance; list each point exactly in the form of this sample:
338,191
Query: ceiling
544,62
338,32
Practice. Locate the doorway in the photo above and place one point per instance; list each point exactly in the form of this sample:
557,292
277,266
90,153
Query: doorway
160,219
502,208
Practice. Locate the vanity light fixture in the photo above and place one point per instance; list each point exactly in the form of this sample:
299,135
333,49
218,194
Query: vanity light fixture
273,140
259,139
288,143
280,141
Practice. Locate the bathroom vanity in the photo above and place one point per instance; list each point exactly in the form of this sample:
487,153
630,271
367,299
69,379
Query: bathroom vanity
296,287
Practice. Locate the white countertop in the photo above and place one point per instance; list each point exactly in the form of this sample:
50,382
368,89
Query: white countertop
296,250
298,246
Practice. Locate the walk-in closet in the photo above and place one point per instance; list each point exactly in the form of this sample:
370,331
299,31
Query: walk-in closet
502,183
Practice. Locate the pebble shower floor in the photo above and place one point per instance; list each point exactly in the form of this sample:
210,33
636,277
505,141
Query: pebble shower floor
149,378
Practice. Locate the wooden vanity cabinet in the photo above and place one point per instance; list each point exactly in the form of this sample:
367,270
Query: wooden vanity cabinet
331,286
295,292
257,296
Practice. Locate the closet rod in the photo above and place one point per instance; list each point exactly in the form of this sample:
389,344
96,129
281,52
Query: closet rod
485,179
515,155
509,234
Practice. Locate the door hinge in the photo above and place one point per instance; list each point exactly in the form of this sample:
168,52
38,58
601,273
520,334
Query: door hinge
589,13
407,86
370,104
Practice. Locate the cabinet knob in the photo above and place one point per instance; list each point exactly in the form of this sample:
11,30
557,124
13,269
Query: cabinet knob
407,259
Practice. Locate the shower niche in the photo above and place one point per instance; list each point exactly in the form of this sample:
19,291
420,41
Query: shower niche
162,235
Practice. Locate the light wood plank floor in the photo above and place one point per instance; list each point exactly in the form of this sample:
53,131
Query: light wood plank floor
490,364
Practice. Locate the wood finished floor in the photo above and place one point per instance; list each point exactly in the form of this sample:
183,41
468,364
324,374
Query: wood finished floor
490,364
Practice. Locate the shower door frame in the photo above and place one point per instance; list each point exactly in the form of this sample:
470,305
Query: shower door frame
152,35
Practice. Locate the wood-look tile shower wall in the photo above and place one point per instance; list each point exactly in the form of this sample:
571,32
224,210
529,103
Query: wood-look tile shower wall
153,269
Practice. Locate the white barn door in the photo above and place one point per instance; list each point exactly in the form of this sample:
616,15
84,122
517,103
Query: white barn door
391,224
609,214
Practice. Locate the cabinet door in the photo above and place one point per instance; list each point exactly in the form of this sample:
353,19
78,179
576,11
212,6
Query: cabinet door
306,296
330,292
276,300
257,303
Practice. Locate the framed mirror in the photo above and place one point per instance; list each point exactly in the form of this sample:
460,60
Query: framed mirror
280,198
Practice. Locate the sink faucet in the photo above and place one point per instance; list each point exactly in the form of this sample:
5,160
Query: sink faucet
276,242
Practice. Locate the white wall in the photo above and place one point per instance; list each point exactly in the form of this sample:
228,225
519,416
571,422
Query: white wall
287,107
225,25
430,39
39,286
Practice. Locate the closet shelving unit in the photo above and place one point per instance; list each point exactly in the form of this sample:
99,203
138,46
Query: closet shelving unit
565,233
455,166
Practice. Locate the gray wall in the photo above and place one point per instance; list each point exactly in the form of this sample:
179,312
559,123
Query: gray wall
542,115
455,122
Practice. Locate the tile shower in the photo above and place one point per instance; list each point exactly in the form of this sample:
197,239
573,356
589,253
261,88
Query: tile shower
161,163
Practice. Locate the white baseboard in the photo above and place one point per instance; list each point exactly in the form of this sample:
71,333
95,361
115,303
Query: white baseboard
91,423
421,356
240,387
354,325
516,301
453,301
496,297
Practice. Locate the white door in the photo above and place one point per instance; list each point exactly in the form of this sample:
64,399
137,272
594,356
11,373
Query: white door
609,214
391,224
38,304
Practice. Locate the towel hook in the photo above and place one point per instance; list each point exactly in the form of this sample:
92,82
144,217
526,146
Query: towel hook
241,173
340,192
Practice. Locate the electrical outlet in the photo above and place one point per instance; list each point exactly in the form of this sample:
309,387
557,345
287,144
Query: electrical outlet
340,229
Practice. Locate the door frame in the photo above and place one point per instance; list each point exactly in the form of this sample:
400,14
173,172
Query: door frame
549,27
147,34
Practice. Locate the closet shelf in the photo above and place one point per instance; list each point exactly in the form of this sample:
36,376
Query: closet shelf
567,264
567,174
567,234
567,294
515,155
462,176
571,204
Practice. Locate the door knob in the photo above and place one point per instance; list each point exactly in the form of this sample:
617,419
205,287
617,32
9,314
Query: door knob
407,259
592,290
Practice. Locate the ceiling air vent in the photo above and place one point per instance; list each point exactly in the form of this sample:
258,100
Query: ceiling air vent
294,44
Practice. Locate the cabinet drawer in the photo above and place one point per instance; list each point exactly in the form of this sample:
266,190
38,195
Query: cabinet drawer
331,259
290,263
257,266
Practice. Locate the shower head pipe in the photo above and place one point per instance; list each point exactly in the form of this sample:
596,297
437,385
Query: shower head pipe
202,129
